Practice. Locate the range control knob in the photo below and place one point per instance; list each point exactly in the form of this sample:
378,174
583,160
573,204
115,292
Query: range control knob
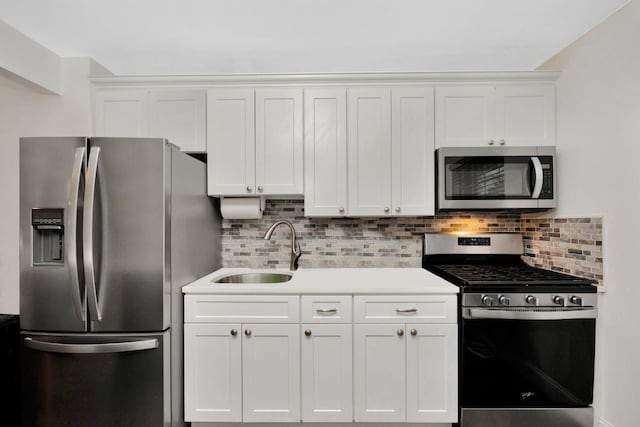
487,300
558,300
531,300
502,300
575,300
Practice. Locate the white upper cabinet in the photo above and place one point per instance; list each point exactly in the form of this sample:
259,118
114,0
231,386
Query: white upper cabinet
230,142
279,144
369,151
180,117
465,116
176,115
254,142
413,151
503,115
525,115
121,113
325,168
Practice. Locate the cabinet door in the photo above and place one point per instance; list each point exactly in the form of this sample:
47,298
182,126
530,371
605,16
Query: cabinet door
432,373
379,379
230,142
179,116
121,113
465,116
212,376
525,115
325,157
271,373
326,373
369,151
279,149
413,151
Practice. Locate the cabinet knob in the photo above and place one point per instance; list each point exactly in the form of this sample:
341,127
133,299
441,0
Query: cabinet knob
247,332
386,208
400,332
491,142
260,188
308,332
398,209
414,332
502,142
249,189
341,210
234,332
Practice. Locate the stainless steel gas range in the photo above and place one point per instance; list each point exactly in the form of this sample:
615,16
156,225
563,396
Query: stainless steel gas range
527,335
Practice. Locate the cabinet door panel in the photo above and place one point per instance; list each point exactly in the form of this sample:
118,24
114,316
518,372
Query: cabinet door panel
121,113
212,376
413,151
179,116
369,151
326,373
230,142
271,373
525,115
279,149
379,373
432,375
325,152
465,116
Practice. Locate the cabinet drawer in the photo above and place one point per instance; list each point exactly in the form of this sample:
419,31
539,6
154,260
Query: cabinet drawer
403,309
326,309
241,309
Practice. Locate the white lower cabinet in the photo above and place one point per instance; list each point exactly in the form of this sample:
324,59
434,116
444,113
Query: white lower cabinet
286,359
271,373
326,373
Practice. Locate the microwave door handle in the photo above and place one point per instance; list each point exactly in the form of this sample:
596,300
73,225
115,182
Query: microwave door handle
72,233
87,234
537,168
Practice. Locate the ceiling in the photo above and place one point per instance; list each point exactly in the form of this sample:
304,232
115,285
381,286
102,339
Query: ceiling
263,36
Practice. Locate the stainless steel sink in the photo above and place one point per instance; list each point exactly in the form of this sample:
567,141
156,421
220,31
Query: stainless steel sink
255,278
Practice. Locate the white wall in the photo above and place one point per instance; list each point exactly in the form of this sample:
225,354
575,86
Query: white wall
598,134
26,112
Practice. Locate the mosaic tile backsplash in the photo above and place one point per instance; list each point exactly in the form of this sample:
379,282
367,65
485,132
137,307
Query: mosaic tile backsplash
567,245
571,245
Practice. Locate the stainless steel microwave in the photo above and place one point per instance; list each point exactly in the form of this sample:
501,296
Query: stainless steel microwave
477,178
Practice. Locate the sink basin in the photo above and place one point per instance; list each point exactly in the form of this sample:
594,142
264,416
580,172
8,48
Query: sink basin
255,278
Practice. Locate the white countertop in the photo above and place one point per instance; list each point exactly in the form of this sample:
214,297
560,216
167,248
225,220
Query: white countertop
330,281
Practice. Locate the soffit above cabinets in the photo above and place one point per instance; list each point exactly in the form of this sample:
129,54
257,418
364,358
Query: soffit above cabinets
257,36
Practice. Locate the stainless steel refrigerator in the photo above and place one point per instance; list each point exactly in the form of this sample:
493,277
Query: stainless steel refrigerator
110,229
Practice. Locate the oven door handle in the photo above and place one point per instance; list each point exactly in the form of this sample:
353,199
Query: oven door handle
481,313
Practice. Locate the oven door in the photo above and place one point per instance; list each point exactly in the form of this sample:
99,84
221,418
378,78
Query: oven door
495,178
527,359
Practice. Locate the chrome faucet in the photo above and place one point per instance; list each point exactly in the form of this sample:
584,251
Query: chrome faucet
295,245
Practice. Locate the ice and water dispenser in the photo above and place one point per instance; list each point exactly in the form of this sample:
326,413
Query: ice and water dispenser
48,236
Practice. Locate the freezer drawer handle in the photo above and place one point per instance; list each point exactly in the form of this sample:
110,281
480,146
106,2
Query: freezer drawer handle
87,234
112,347
71,235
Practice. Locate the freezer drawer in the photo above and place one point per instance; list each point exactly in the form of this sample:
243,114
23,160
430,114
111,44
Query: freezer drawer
95,380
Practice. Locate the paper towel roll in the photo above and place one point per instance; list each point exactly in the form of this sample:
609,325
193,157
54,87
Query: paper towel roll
240,208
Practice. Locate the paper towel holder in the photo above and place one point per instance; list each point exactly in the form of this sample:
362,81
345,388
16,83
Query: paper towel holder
261,201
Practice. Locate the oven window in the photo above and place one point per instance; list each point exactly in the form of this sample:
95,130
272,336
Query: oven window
515,363
478,178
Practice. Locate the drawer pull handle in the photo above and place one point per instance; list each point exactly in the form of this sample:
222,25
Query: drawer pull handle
327,310
406,310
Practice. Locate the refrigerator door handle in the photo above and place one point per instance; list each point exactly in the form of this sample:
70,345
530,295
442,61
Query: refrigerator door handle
115,347
87,234
72,234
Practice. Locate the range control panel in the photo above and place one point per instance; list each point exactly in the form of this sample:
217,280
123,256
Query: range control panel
530,300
